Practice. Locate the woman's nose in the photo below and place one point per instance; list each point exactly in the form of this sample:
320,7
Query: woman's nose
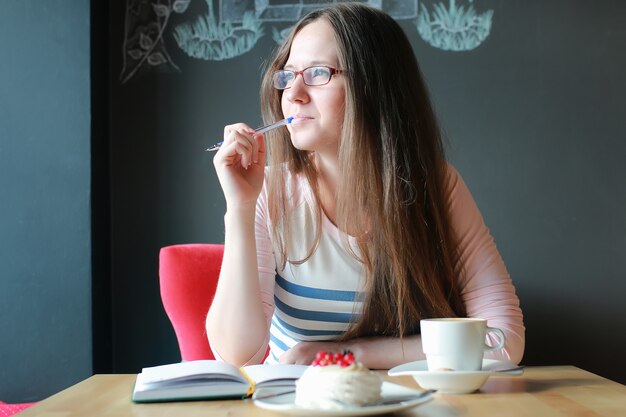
298,92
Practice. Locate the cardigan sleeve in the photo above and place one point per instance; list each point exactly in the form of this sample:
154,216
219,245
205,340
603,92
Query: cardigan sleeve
486,287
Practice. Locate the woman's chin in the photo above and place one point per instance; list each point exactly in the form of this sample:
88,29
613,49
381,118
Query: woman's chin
316,143
304,145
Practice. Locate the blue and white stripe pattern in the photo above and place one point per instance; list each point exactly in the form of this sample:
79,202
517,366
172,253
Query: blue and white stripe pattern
308,313
318,299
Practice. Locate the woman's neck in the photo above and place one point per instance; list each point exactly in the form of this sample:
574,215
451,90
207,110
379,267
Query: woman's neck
327,181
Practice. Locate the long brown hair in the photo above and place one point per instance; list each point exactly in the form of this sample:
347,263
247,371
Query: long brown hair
394,174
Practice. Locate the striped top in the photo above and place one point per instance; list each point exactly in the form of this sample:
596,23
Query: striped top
317,299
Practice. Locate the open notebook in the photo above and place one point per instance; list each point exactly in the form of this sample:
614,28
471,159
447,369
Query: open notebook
210,379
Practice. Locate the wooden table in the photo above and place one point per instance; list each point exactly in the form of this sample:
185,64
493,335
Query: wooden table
562,391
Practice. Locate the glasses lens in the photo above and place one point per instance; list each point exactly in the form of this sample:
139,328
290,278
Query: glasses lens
283,79
316,75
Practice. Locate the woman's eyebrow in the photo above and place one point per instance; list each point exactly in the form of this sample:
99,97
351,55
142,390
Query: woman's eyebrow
309,64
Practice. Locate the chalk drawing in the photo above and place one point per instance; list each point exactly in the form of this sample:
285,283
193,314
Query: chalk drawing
453,28
292,11
280,11
144,26
238,26
211,40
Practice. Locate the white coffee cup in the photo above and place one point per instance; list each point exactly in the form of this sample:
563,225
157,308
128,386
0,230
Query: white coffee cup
457,344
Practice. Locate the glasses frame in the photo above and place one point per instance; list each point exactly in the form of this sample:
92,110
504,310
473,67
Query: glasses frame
333,72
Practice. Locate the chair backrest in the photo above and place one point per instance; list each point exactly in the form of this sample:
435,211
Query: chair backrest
188,277
7,410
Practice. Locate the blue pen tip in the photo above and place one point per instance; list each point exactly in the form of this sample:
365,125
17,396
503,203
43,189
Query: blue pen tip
289,119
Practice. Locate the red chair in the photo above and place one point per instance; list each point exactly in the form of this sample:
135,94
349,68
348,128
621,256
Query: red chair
11,409
188,277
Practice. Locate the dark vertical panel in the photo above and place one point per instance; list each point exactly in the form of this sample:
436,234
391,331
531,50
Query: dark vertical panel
100,187
45,241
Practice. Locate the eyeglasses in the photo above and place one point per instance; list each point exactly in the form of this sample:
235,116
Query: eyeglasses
313,76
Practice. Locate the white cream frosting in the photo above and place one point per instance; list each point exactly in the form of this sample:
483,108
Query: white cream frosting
333,387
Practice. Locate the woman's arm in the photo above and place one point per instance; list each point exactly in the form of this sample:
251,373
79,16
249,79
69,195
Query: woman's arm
486,286
373,352
236,324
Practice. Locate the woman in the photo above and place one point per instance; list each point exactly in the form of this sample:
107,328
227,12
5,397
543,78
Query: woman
357,228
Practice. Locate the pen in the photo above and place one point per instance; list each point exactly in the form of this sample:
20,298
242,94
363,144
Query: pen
263,129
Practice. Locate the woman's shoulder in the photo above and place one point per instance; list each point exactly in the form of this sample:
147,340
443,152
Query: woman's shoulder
458,197
452,179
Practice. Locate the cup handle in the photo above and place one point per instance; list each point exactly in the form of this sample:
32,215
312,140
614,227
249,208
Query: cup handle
500,334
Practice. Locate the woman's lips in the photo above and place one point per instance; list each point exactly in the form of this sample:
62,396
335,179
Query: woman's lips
300,119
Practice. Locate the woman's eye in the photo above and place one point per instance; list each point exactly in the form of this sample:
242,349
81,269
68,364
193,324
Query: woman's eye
320,72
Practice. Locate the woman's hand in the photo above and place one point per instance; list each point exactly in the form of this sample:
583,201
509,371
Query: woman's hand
373,352
240,164
303,353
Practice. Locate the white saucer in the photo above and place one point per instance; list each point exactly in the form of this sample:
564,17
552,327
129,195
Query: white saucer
389,393
455,382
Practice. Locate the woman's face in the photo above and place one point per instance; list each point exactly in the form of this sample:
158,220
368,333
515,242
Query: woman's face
324,104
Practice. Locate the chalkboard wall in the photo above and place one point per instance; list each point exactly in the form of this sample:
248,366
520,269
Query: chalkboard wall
534,120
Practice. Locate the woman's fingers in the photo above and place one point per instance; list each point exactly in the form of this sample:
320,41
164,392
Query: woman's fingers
260,152
240,176
239,139
242,127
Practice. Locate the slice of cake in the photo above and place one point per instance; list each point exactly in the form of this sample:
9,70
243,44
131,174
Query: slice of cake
337,381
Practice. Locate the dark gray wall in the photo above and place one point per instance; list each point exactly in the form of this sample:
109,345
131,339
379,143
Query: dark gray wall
535,123
45,276
536,126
